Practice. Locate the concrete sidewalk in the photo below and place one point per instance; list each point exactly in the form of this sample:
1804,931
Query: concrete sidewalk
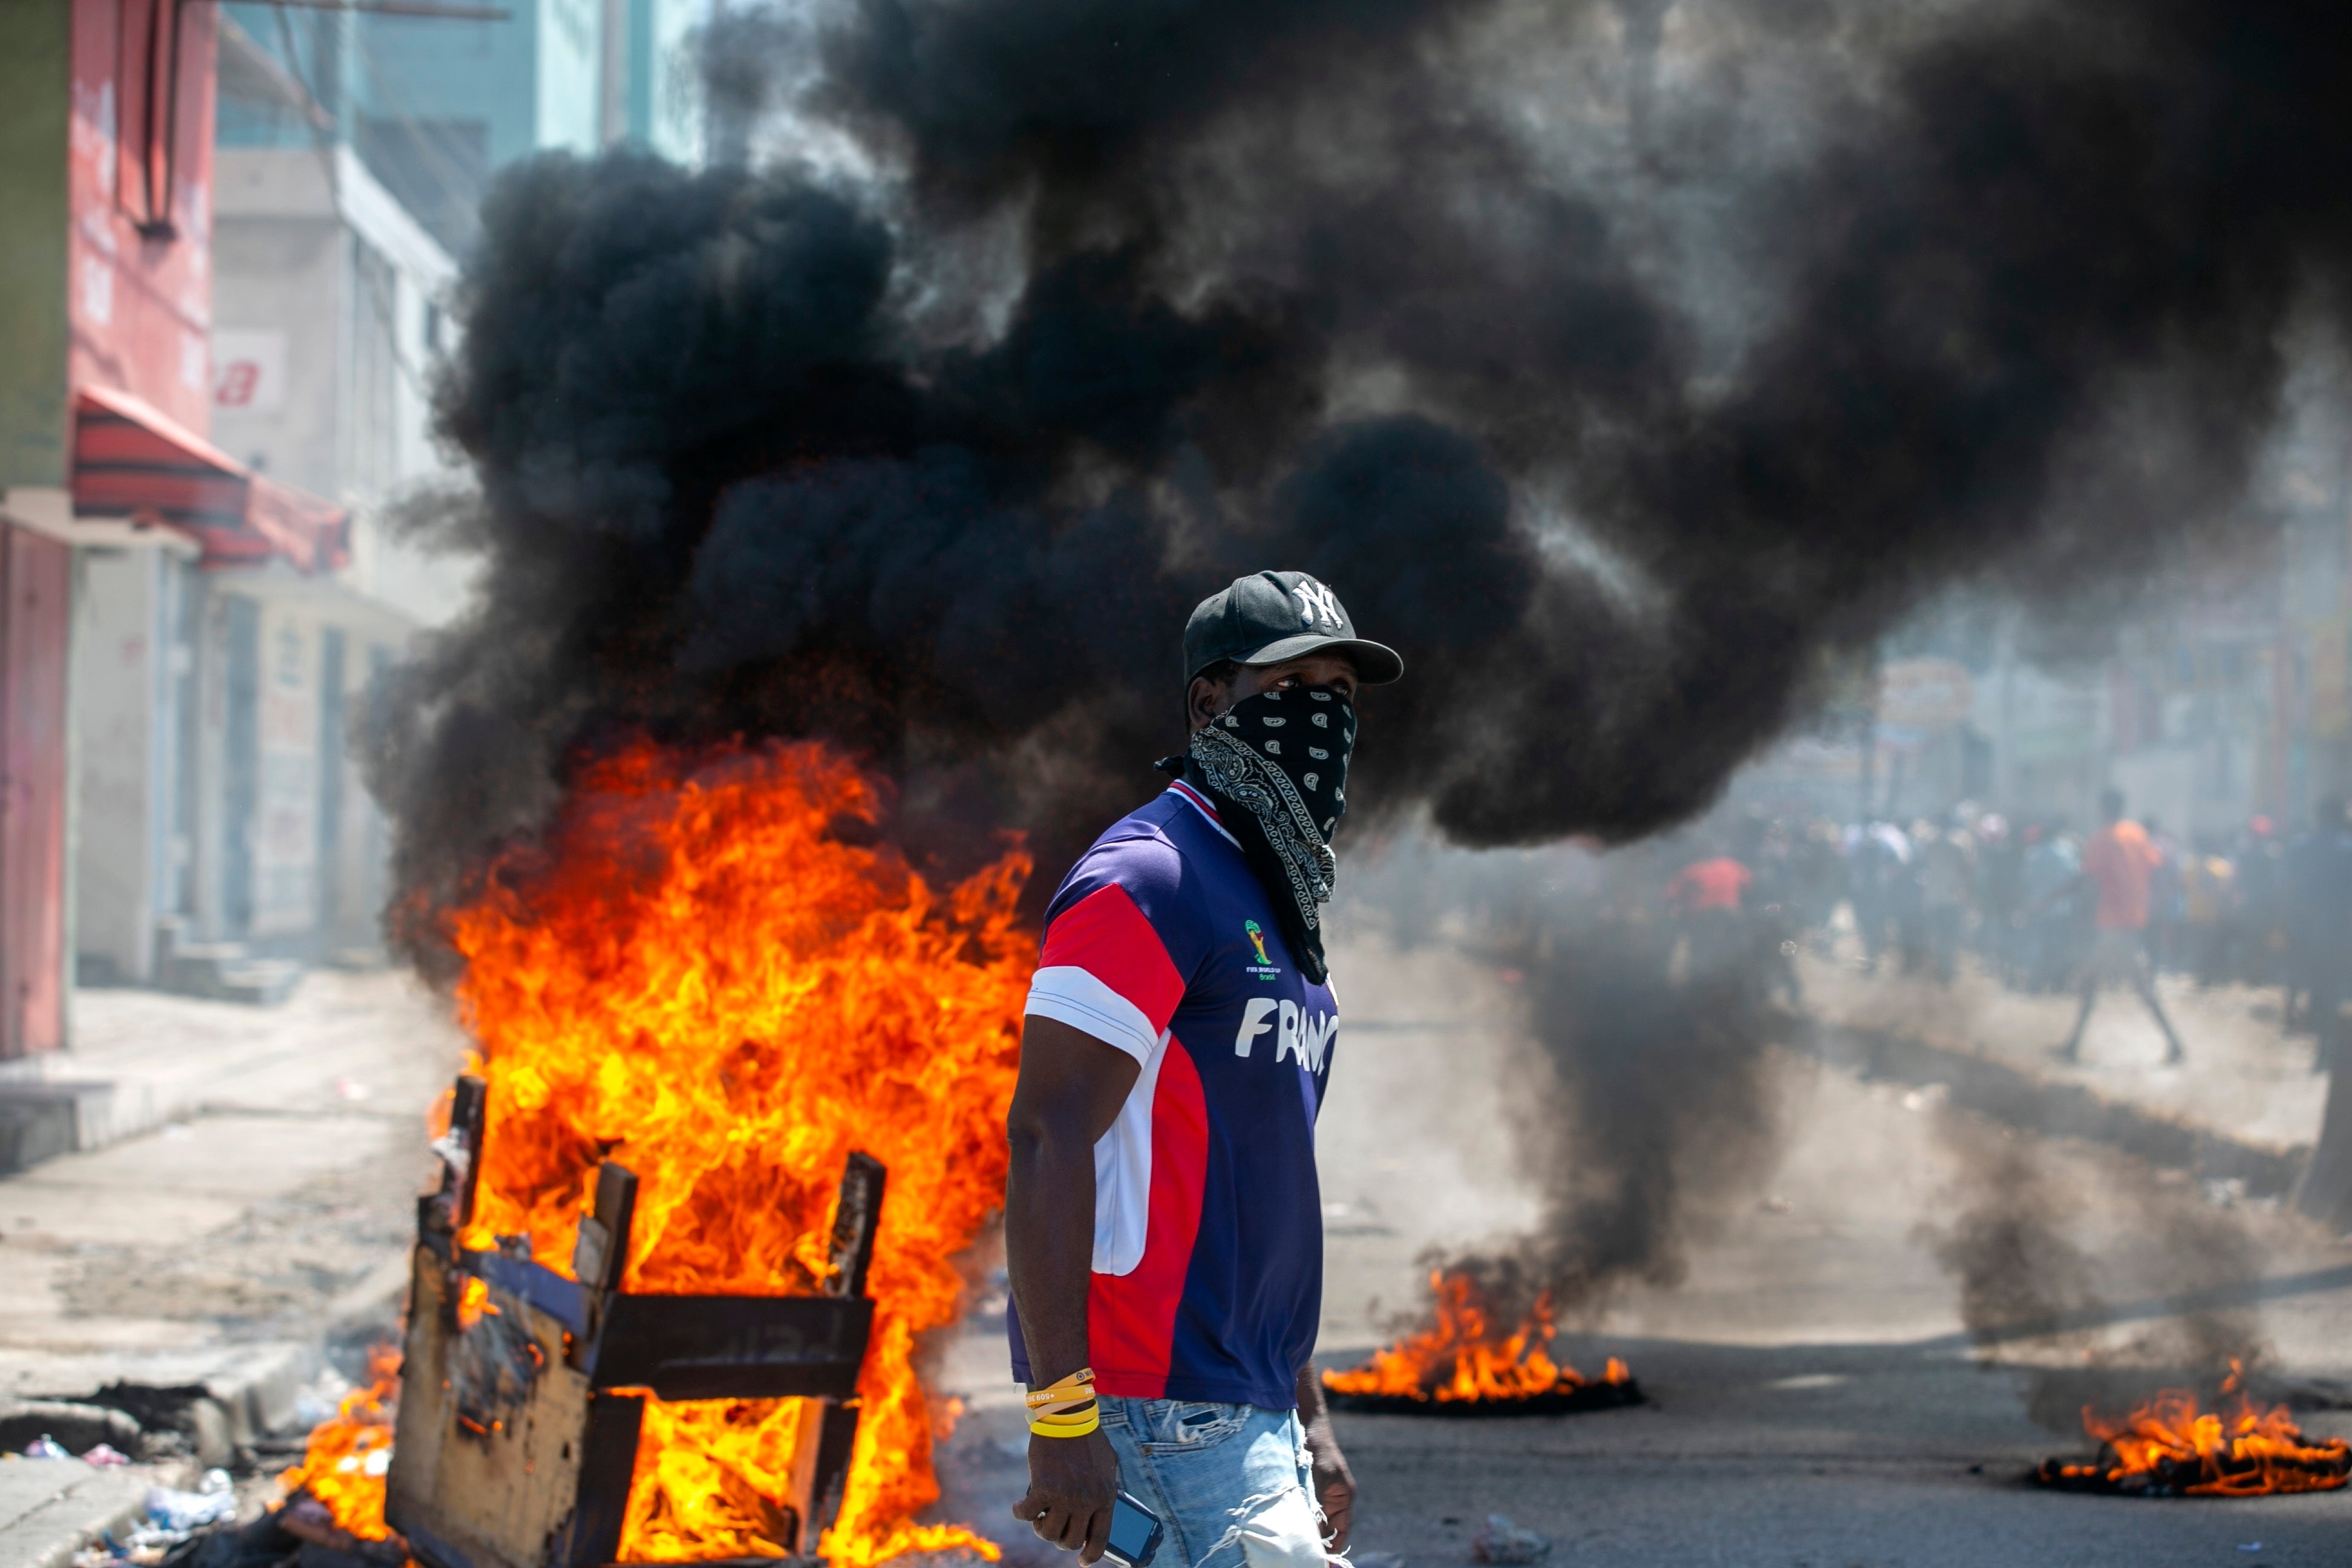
48,1508
371,1043
199,1272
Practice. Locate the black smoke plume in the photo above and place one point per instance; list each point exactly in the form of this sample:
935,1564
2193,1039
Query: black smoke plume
2032,1272
1623,366
1651,1116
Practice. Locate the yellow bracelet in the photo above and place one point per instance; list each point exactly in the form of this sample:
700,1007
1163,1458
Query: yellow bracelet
1072,1393
1067,1417
1068,1426
1082,1378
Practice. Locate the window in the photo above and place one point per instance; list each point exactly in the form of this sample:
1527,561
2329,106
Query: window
373,437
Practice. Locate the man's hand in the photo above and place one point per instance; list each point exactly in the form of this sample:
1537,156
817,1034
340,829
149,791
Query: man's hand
1072,1482
1335,1484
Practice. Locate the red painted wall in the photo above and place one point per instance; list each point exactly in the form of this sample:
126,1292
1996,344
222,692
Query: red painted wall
139,293
36,606
138,309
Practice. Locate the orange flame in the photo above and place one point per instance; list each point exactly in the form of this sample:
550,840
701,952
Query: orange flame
706,1473
474,1301
698,976
1462,1355
2172,1443
344,1463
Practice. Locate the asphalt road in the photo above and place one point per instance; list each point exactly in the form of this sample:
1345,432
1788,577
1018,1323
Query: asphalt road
1817,1400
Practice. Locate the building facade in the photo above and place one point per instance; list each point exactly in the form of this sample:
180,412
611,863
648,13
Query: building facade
435,106
114,504
2231,700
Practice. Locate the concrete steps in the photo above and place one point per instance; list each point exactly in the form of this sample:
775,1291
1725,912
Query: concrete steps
226,971
43,1118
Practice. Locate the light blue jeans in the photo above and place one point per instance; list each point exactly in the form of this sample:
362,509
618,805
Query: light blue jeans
1230,1483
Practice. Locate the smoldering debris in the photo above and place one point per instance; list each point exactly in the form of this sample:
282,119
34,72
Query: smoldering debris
1624,366
2043,1258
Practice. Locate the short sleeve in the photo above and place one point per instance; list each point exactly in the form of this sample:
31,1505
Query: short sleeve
1118,947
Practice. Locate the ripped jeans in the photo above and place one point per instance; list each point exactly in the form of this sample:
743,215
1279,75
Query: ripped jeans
1232,1483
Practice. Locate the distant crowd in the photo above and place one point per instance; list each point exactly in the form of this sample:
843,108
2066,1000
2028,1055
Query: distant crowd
2043,907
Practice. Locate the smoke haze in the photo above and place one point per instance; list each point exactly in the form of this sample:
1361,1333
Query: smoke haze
1622,366
2027,1251
1645,1114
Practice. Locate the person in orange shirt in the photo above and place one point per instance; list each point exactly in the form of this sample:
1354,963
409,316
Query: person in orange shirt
1709,896
2121,861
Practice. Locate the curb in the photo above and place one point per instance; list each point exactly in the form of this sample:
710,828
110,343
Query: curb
84,1507
257,1392
249,1392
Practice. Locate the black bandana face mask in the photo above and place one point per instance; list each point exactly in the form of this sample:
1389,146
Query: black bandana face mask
1306,737
1282,756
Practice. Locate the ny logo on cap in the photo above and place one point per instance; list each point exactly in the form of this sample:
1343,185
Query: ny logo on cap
1321,603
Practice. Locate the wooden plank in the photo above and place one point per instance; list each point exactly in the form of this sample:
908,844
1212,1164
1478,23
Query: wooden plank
741,1347
422,1417
856,1215
608,1459
475,1497
469,1113
837,1439
601,1251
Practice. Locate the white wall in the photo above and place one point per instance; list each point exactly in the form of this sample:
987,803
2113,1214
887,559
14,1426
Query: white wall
280,268
362,883
571,38
286,836
116,715
321,272
295,229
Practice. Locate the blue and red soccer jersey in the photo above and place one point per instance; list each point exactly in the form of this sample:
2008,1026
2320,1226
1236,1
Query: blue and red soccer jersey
1208,1261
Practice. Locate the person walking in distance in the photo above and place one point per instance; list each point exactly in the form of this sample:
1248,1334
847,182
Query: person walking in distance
1706,898
1162,1222
2120,861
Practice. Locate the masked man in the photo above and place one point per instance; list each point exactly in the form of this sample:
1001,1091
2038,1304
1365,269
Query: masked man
1163,1225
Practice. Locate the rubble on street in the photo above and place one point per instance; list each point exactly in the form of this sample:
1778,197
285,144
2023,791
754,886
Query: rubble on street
195,1297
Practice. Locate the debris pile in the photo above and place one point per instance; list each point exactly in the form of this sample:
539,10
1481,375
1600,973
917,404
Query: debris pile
1499,1541
2171,1446
1461,1362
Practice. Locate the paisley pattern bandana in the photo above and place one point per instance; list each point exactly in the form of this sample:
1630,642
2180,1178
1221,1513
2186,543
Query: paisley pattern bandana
1282,758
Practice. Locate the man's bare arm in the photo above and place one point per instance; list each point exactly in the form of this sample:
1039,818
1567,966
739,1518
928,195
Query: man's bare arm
1335,1484
1070,1092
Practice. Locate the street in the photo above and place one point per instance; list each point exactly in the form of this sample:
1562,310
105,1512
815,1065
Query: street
1815,1398
1814,1394
282,1179
605,602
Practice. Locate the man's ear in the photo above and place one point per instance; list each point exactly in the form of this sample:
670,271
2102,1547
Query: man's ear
1203,701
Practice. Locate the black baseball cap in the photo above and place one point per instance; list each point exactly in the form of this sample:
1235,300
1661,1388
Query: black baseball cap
1271,616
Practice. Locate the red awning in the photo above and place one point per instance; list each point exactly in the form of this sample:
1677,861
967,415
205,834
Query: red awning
131,459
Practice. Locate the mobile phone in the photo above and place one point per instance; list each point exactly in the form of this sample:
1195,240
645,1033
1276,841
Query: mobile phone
1135,1533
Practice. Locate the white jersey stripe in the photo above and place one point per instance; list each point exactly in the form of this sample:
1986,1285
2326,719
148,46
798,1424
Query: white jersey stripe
1074,996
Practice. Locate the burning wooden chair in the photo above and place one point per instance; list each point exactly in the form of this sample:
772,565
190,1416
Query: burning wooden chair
522,1391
